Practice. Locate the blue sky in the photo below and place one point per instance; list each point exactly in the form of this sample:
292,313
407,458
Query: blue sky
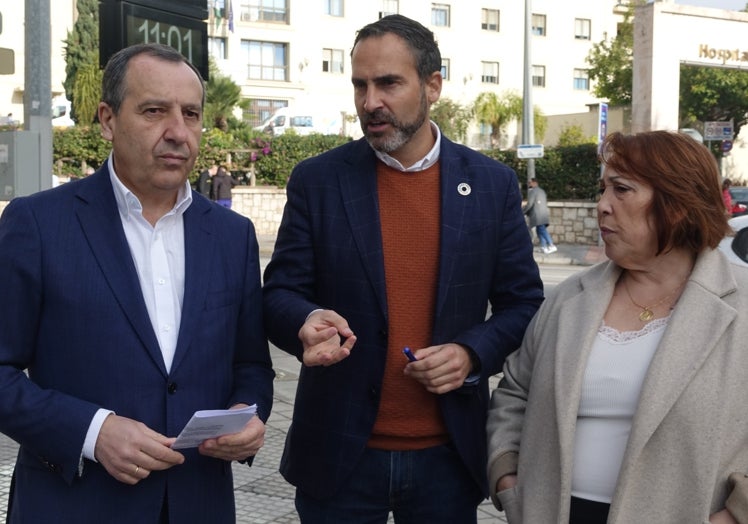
735,5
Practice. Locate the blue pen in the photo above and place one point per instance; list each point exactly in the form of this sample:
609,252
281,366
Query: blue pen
409,354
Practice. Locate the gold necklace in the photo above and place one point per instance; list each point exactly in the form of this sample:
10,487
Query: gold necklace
647,314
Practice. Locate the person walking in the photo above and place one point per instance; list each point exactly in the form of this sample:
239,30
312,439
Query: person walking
400,239
538,215
111,337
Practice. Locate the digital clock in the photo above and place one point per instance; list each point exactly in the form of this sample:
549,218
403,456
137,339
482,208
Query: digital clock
124,24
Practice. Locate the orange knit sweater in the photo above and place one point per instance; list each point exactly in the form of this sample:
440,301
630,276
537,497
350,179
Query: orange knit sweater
409,209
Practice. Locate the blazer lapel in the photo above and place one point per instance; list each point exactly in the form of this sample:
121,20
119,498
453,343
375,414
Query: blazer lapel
358,188
98,216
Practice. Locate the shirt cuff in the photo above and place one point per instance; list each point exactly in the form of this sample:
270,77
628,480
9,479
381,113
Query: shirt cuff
89,445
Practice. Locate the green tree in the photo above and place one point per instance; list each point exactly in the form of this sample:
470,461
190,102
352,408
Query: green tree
81,50
573,135
712,94
87,92
611,64
222,95
497,111
452,118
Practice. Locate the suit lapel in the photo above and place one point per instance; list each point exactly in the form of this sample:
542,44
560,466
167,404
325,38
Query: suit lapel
98,215
198,245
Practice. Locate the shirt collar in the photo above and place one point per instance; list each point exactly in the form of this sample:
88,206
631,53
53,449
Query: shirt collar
128,203
426,162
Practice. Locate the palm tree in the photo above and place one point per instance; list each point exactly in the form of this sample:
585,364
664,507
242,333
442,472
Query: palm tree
497,111
222,95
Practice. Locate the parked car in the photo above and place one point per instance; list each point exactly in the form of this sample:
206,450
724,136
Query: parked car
739,200
736,247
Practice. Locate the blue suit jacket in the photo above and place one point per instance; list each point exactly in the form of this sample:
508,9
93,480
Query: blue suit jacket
72,313
328,254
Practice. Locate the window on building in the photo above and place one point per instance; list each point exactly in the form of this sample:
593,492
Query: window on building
581,80
275,11
582,28
538,76
445,68
332,61
389,7
440,15
217,47
490,74
266,60
538,25
334,7
489,19
218,7
260,109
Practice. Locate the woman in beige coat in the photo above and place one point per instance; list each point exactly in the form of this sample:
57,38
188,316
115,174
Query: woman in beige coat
627,401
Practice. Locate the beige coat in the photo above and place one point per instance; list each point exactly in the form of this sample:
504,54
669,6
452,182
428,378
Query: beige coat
690,431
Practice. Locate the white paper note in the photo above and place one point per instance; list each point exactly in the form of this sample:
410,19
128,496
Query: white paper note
212,423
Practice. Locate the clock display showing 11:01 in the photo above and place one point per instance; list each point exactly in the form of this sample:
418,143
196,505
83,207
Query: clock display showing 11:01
184,39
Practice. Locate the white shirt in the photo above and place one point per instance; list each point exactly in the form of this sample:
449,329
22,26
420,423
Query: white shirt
158,254
426,162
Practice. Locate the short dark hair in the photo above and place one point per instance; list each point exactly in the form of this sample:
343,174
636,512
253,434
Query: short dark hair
687,203
419,39
113,86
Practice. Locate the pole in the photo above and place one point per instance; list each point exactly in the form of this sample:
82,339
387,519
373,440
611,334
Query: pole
37,90
528,124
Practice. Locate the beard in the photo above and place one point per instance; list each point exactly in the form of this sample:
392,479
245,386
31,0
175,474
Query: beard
401,132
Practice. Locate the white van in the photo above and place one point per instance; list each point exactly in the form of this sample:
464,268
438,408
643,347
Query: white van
303,122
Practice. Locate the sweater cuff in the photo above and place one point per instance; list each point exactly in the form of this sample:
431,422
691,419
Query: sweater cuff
737,501
505,464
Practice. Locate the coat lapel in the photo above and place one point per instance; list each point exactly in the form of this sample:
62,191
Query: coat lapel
98,215
682,349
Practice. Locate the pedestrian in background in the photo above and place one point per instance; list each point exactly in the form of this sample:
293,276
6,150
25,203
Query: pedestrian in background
539,216
111,337
402,238
204,181
221,187
627,401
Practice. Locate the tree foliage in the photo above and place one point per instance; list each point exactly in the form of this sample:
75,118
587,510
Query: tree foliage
706,93
452,118
81,50
573,135
222,95
87,93
497,111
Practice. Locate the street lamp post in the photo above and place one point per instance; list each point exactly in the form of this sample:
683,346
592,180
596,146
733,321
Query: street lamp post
528,124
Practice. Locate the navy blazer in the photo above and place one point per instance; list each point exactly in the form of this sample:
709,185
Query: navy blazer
328,254
73,314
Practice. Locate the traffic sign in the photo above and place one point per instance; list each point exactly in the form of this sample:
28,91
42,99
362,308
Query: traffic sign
530,151
717,131
726,146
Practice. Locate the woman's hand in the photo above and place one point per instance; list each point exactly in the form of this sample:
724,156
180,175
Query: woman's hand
721,517
506,482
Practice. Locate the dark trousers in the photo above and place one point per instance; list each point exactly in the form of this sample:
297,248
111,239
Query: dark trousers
428,486
585,511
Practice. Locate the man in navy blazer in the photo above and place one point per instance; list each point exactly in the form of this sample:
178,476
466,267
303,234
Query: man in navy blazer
403,228
131,301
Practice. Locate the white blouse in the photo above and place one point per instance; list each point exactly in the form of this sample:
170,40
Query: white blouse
612,382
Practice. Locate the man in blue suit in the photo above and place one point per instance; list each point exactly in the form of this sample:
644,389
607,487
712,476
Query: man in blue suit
132,302
399,239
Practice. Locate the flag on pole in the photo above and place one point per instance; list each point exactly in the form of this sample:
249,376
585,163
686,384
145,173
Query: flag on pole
230,16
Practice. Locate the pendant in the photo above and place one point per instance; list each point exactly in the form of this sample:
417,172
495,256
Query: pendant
646,315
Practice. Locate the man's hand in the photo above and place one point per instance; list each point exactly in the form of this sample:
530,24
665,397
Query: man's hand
236,446
441,368
321,334
129,450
